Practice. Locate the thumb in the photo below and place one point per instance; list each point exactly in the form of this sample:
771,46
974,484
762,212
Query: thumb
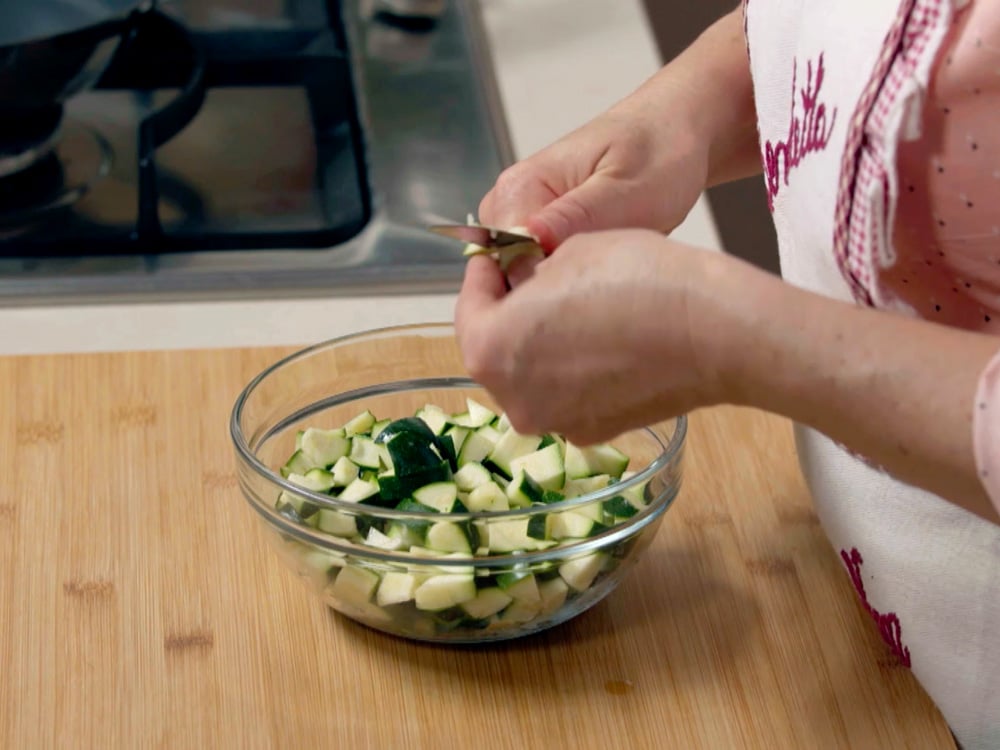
592,206
483,287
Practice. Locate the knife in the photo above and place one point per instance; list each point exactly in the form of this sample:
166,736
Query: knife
486,237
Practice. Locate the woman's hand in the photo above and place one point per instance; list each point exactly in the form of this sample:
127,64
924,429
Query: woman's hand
622,329
645,161
598,339
620,170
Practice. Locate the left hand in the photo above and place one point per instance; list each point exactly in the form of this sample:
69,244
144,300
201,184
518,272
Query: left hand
595,339
622,329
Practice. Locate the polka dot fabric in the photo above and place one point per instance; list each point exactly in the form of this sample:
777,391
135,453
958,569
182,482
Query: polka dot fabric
946,230
858,203
918,225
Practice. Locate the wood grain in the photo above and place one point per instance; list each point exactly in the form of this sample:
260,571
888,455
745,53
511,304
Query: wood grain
140,608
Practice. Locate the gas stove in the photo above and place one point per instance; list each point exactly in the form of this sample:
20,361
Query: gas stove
244,148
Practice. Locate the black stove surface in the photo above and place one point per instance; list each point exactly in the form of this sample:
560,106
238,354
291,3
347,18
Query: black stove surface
307,158
217,126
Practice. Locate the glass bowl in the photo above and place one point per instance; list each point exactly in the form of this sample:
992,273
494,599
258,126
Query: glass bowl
519,570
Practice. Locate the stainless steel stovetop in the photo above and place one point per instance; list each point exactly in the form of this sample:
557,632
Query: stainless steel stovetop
288,181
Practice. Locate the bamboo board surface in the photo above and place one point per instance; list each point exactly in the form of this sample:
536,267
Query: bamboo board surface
140,608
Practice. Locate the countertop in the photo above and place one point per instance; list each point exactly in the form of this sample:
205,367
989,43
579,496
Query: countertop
140,606
558,63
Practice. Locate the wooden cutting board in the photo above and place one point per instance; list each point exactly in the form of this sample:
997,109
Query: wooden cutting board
139,607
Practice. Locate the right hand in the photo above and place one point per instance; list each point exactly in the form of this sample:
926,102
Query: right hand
626,168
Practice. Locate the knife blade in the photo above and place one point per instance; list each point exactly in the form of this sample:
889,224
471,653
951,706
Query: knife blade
487,237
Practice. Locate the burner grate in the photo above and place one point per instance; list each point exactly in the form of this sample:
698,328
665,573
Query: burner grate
172,83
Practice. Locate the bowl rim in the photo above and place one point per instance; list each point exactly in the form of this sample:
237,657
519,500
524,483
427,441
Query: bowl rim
670,449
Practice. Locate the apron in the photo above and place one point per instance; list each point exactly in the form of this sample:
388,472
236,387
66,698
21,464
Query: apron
831,107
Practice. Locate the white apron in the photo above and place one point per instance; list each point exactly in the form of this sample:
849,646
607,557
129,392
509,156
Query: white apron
926,571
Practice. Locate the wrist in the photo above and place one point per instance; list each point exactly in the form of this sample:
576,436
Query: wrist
735,311
707,92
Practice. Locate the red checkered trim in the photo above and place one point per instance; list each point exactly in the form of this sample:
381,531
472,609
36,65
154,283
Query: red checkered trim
864,170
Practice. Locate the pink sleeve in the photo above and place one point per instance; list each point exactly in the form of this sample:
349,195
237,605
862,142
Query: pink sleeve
986,429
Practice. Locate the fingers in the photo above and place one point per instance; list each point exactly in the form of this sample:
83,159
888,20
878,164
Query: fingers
483,287
590,207
519,192
521,269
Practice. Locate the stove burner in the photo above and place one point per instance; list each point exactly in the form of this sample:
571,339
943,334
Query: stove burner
27,138
54,181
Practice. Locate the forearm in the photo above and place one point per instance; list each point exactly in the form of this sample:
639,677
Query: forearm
709,84
897,390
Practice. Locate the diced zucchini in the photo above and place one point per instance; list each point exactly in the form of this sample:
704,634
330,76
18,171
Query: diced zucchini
299,463
472,475
586,485
440,496
412,506
391,487
436,418
295,507
476,415
394,488
336,523
487,603
447,536
288,507
487,497
580,572
446,590
512,445
569,525
576,463
457,435
593,511
379,540
412,452
619,508
384,459
344,472
432,464
553,594
396,587
415,425
317,480
477,446
378,427
322,480
409,533
354,585
524,589
545,466
491,433
523,490
358,490
324,447
465,570
538,527
365,453
360,425
605,459
636,494
510,536
318,564
520,612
